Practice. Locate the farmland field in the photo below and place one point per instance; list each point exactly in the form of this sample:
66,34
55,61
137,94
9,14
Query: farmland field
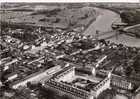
59,16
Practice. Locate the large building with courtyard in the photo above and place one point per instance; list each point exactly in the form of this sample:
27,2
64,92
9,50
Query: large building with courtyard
78,84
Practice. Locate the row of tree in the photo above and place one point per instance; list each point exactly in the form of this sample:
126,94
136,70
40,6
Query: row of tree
131,17
46,93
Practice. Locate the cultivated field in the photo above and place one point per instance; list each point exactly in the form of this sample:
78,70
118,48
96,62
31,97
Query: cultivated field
59,16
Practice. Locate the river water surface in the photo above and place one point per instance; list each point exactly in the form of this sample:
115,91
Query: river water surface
103,24
103,21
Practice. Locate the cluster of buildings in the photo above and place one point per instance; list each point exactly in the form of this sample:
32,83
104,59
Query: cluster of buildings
69,63
79,85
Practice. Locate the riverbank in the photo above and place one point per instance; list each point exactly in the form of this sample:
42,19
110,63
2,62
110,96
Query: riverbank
126,40
93,20
103,24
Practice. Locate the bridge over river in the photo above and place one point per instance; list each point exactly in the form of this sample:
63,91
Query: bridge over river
103,25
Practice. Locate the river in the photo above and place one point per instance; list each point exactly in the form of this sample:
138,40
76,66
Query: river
103,21
103,24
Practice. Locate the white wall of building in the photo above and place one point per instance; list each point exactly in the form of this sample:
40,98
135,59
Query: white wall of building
103,87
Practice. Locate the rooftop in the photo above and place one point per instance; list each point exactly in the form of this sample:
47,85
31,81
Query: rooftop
77,79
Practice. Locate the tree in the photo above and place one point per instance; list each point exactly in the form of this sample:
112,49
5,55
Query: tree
65,97
29,85
107,94
131,17
71,21
128,71
136,65
47,93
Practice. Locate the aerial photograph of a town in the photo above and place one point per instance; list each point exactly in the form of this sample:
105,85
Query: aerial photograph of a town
69,50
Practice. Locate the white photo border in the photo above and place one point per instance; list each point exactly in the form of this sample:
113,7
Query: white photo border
73,1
